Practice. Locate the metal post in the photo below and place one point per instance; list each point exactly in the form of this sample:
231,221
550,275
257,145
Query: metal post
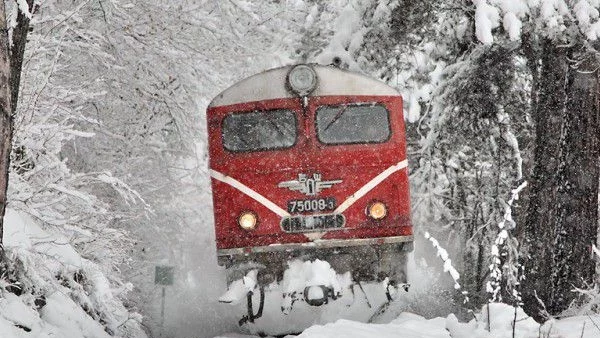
162,312
163,276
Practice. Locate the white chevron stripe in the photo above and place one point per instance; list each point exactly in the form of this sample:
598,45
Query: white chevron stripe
370,185
248,191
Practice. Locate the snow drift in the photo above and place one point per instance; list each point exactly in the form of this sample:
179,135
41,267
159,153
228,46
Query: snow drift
48,290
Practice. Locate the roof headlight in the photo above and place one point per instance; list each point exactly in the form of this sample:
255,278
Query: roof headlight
247,220
302,79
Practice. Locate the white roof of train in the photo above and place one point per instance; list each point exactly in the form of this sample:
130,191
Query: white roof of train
271,84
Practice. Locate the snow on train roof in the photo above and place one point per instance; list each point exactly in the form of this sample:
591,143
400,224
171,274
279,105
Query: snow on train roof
271,84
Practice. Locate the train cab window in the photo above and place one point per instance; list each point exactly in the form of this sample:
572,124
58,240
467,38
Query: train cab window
345,124
259,130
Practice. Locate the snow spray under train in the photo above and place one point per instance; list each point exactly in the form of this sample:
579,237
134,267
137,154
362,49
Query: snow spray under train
309,162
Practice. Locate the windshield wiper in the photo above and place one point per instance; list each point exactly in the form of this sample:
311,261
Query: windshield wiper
336,117
275,125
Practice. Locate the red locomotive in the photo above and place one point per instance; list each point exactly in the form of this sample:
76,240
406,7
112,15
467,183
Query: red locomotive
309,162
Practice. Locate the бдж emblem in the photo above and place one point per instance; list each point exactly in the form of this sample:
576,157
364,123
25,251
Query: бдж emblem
308,185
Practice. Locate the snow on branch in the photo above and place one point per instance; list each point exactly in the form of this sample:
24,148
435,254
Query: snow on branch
494,284
126,192
89,199
486,18
24,8
596,250
558,17
79,133
448,267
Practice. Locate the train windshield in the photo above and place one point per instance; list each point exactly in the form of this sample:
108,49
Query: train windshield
345,124
259,130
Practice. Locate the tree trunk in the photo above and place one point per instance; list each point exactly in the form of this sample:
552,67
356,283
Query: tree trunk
19,40
577,219
11,63
6,119
562,220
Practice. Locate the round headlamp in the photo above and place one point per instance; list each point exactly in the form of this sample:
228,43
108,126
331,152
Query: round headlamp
247,220
377,210
302,79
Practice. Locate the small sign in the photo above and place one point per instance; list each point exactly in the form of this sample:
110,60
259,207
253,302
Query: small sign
163,275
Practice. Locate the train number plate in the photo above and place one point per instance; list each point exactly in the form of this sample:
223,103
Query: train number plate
311,205
312,223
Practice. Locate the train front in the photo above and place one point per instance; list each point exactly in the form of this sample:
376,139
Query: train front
309,162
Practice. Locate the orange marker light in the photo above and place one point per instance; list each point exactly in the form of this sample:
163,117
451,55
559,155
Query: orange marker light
377,210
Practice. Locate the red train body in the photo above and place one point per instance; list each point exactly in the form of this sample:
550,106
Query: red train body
317,174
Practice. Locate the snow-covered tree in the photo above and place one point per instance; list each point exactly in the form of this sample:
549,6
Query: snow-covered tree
12,46
59,204
480,110
558,38
6,123
138,78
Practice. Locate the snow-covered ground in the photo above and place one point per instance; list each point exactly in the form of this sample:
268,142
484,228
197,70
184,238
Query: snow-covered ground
357,313
500,325
49,290
92,309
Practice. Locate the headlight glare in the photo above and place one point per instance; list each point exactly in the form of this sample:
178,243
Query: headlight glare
247,220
